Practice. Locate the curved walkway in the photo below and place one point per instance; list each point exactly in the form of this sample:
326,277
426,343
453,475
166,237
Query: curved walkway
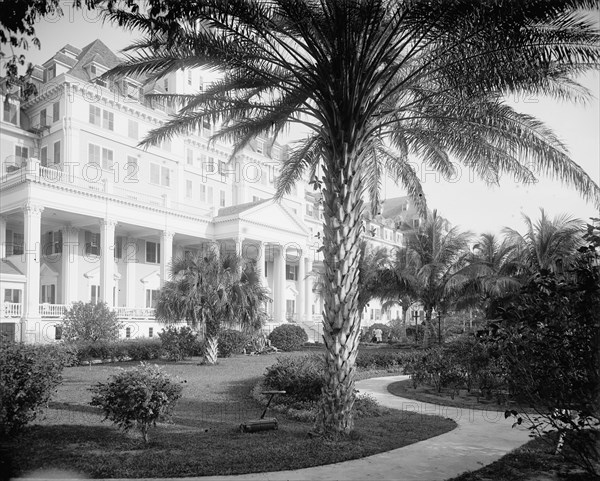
481,438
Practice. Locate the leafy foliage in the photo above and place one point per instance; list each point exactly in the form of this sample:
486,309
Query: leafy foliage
178,343
137,397
550,339
288,337
300,377
232,342
90,322
28,377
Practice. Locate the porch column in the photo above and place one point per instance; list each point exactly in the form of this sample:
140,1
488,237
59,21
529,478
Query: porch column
70,264
107,260
166,255
300,302
32,217
130,255
2,237
280,287
308,290
260,263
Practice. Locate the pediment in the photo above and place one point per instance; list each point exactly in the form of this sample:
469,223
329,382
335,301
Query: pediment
276,216
95,274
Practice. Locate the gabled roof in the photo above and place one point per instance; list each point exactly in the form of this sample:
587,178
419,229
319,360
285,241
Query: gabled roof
97,52
238,209
8,268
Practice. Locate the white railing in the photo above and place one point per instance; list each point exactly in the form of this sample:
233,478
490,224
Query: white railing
135,312
11,309
53,311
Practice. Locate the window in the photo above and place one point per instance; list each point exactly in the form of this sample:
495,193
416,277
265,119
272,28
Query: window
10,112
94,154
119,247
108,120
260,146
12,295
53,243
210,164
166,84
152,297
210,195
160,175
203,193
291,272
92,243
57,332
43,118
44,156
290,308
18,244
265,271
107,159
95,115
188,189
189,154
127,332
152,253
48,294
189,77
404,207
309,209
55,111
132,129
150,332
222,168
221,198
50,73
131,168
21,153
415,223
57,152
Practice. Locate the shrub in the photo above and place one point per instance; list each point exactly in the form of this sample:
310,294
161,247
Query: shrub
366,406
300,377
380,360
288,337
28,377
137,397
232,342
368,333
178,344
90,322
143,349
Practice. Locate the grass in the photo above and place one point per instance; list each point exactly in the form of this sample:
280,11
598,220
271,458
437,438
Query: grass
203,437
430,395
533,461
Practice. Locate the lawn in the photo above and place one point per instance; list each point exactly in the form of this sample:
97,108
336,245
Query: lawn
534,461
203,437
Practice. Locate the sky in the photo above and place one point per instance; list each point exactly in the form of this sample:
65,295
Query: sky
466,201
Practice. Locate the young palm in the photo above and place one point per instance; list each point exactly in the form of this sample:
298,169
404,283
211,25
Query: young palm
374,81
210,291
548,244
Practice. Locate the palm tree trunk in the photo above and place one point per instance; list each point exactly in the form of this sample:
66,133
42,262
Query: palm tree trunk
341,320
211,344
427,327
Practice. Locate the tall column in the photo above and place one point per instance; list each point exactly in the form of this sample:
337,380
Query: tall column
32,217
261,261
70,263
308,290
130,255
300,301
2,237
107,260
166,255
280,284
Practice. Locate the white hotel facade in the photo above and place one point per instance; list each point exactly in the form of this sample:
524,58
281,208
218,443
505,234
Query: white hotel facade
86,215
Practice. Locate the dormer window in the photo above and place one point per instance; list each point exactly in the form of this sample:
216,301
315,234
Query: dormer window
95,71
50,73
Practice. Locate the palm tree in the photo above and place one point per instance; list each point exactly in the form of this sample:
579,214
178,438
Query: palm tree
548,244
374,81
211,290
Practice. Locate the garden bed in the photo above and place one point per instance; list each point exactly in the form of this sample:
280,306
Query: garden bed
203,437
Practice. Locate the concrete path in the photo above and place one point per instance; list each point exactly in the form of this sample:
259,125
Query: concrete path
480,438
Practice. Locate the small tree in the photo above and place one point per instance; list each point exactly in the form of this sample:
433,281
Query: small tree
137,397
90,322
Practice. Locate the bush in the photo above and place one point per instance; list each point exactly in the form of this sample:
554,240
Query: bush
178,344
380,360
366,406
90,322
300,377
368,333
137,397
288,337
143,349
28,377
232,342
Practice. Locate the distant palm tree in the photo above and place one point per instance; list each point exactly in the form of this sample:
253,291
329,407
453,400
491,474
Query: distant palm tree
211,291
547,244
374,81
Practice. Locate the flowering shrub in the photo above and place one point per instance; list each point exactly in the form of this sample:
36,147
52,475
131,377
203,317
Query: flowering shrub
137,397
288,337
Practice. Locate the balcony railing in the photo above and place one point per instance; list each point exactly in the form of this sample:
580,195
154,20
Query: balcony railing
135,312
53,311
57,311
10,309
